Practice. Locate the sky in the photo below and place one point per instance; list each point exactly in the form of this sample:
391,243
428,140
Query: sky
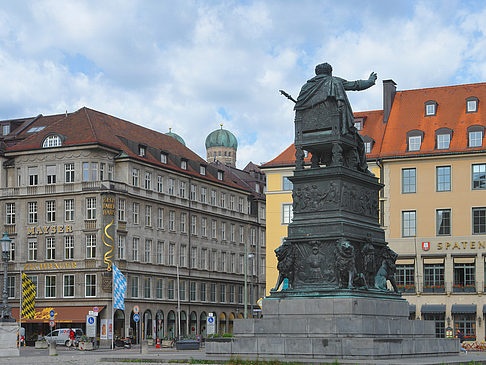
192,65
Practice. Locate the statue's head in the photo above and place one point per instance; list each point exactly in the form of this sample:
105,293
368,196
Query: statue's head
323,69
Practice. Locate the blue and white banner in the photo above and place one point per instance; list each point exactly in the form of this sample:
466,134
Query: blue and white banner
120,287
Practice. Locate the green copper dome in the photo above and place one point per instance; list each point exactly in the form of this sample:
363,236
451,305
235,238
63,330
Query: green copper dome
221,138
175,136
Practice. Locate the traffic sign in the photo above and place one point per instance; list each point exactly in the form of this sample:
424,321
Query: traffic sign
96,309
52,313
136,317
136,309
210,319
211,324
52,323
91,320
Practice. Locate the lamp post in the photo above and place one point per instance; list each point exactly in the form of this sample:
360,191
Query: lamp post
6,313
247,256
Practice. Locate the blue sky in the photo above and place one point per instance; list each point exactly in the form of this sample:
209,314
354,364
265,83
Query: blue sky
191,65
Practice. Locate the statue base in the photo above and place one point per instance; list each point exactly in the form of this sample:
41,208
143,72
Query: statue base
334,328
8,339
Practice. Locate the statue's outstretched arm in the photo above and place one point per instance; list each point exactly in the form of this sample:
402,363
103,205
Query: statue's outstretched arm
360,84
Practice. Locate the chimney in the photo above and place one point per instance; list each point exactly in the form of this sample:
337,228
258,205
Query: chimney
389,90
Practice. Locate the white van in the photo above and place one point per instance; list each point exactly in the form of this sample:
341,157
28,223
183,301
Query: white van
61,335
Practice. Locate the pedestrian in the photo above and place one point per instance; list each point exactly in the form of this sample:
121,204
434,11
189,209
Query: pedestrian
71,337
460,336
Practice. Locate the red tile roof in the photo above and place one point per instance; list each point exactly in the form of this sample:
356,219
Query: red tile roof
408,113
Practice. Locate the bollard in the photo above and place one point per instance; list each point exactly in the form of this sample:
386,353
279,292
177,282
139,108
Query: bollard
52,348
158,343
144,347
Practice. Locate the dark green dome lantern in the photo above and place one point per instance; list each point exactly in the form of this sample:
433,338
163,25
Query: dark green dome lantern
221,145
175,136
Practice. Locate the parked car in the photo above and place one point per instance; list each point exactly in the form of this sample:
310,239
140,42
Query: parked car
61,335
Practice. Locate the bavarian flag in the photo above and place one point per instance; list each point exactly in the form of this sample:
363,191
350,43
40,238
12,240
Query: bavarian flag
28,297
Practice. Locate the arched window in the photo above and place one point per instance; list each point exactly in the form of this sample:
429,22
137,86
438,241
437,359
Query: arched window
52,141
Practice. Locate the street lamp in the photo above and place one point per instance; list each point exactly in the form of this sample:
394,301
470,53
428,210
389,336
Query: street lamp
6,313
247,256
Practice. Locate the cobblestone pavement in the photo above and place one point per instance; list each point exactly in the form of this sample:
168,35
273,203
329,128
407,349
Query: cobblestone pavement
31,356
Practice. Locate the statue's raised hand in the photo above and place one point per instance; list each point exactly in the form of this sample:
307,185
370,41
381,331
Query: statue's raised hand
372,77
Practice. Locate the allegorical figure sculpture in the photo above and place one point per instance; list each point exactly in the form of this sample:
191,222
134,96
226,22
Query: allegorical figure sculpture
286,260
369,269
387,270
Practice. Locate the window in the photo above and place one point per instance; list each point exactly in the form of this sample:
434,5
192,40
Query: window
222,200
184,164
171,254
141,151
232,262
368,146
240,294
408,180
122,210
232,232
136,213
163,157
213,292
33,176
5,129
160,184
51,174
11,286
193,224
439,319
479,220
68,286
220,175
171,187
182,189
34,280
69,172
148,215
146,287
11,253
90,246
433,277
232,202
193,257
203,258
443,222
213,260
90,208
242,234
213,197
358,125
121,246
223,231
160,218
19,176
204,193
232,294
443,141
171,220
405,277
32,212
287,185
182,290
182,256
202,292
479,176
170,289
464,275
202,170
134,286
204,224
430,108
135,177
50,286
135,245
69,210
466,323
85,171
471,105
160,252
192,291
213,229
68,247
414,143
253,236
147,251
287,213
110,172
148,180
241,205
408,223
222,293
52,141
159,289
10,213
222,263
50,248
32,244
50,211
475,139
443,178
192,194
102,171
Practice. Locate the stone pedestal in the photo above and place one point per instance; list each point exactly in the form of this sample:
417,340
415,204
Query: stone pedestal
8,339
334,328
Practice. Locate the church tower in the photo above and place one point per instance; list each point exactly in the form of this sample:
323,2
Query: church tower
221,145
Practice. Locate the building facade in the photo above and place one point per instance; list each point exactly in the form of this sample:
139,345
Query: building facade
86,190
427,147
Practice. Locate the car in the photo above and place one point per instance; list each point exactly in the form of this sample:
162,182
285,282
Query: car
61,335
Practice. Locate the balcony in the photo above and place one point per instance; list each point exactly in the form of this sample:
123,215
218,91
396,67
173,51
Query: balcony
10,229
90,224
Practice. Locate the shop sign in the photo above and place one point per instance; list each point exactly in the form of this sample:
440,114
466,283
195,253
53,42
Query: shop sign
425,246
39,230
463,245
51,266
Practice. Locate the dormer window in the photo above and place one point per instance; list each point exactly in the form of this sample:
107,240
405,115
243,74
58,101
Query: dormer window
5,129
202,170
472,104
52,141
367,147
142,150
220,175
414,140
443,138
368,143
475,135
163,157
184,164
358,124
430,108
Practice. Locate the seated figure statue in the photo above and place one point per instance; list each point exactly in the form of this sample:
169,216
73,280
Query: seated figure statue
328,93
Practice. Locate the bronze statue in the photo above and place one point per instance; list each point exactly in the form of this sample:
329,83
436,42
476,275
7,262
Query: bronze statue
387,270
345,263
286,259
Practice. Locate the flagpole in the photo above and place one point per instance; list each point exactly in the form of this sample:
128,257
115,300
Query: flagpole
112,308
20,307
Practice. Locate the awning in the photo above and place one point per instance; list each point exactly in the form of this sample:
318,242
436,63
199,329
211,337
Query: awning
433,260
433,308
464,260
463,309
63,314
405,262
411,308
